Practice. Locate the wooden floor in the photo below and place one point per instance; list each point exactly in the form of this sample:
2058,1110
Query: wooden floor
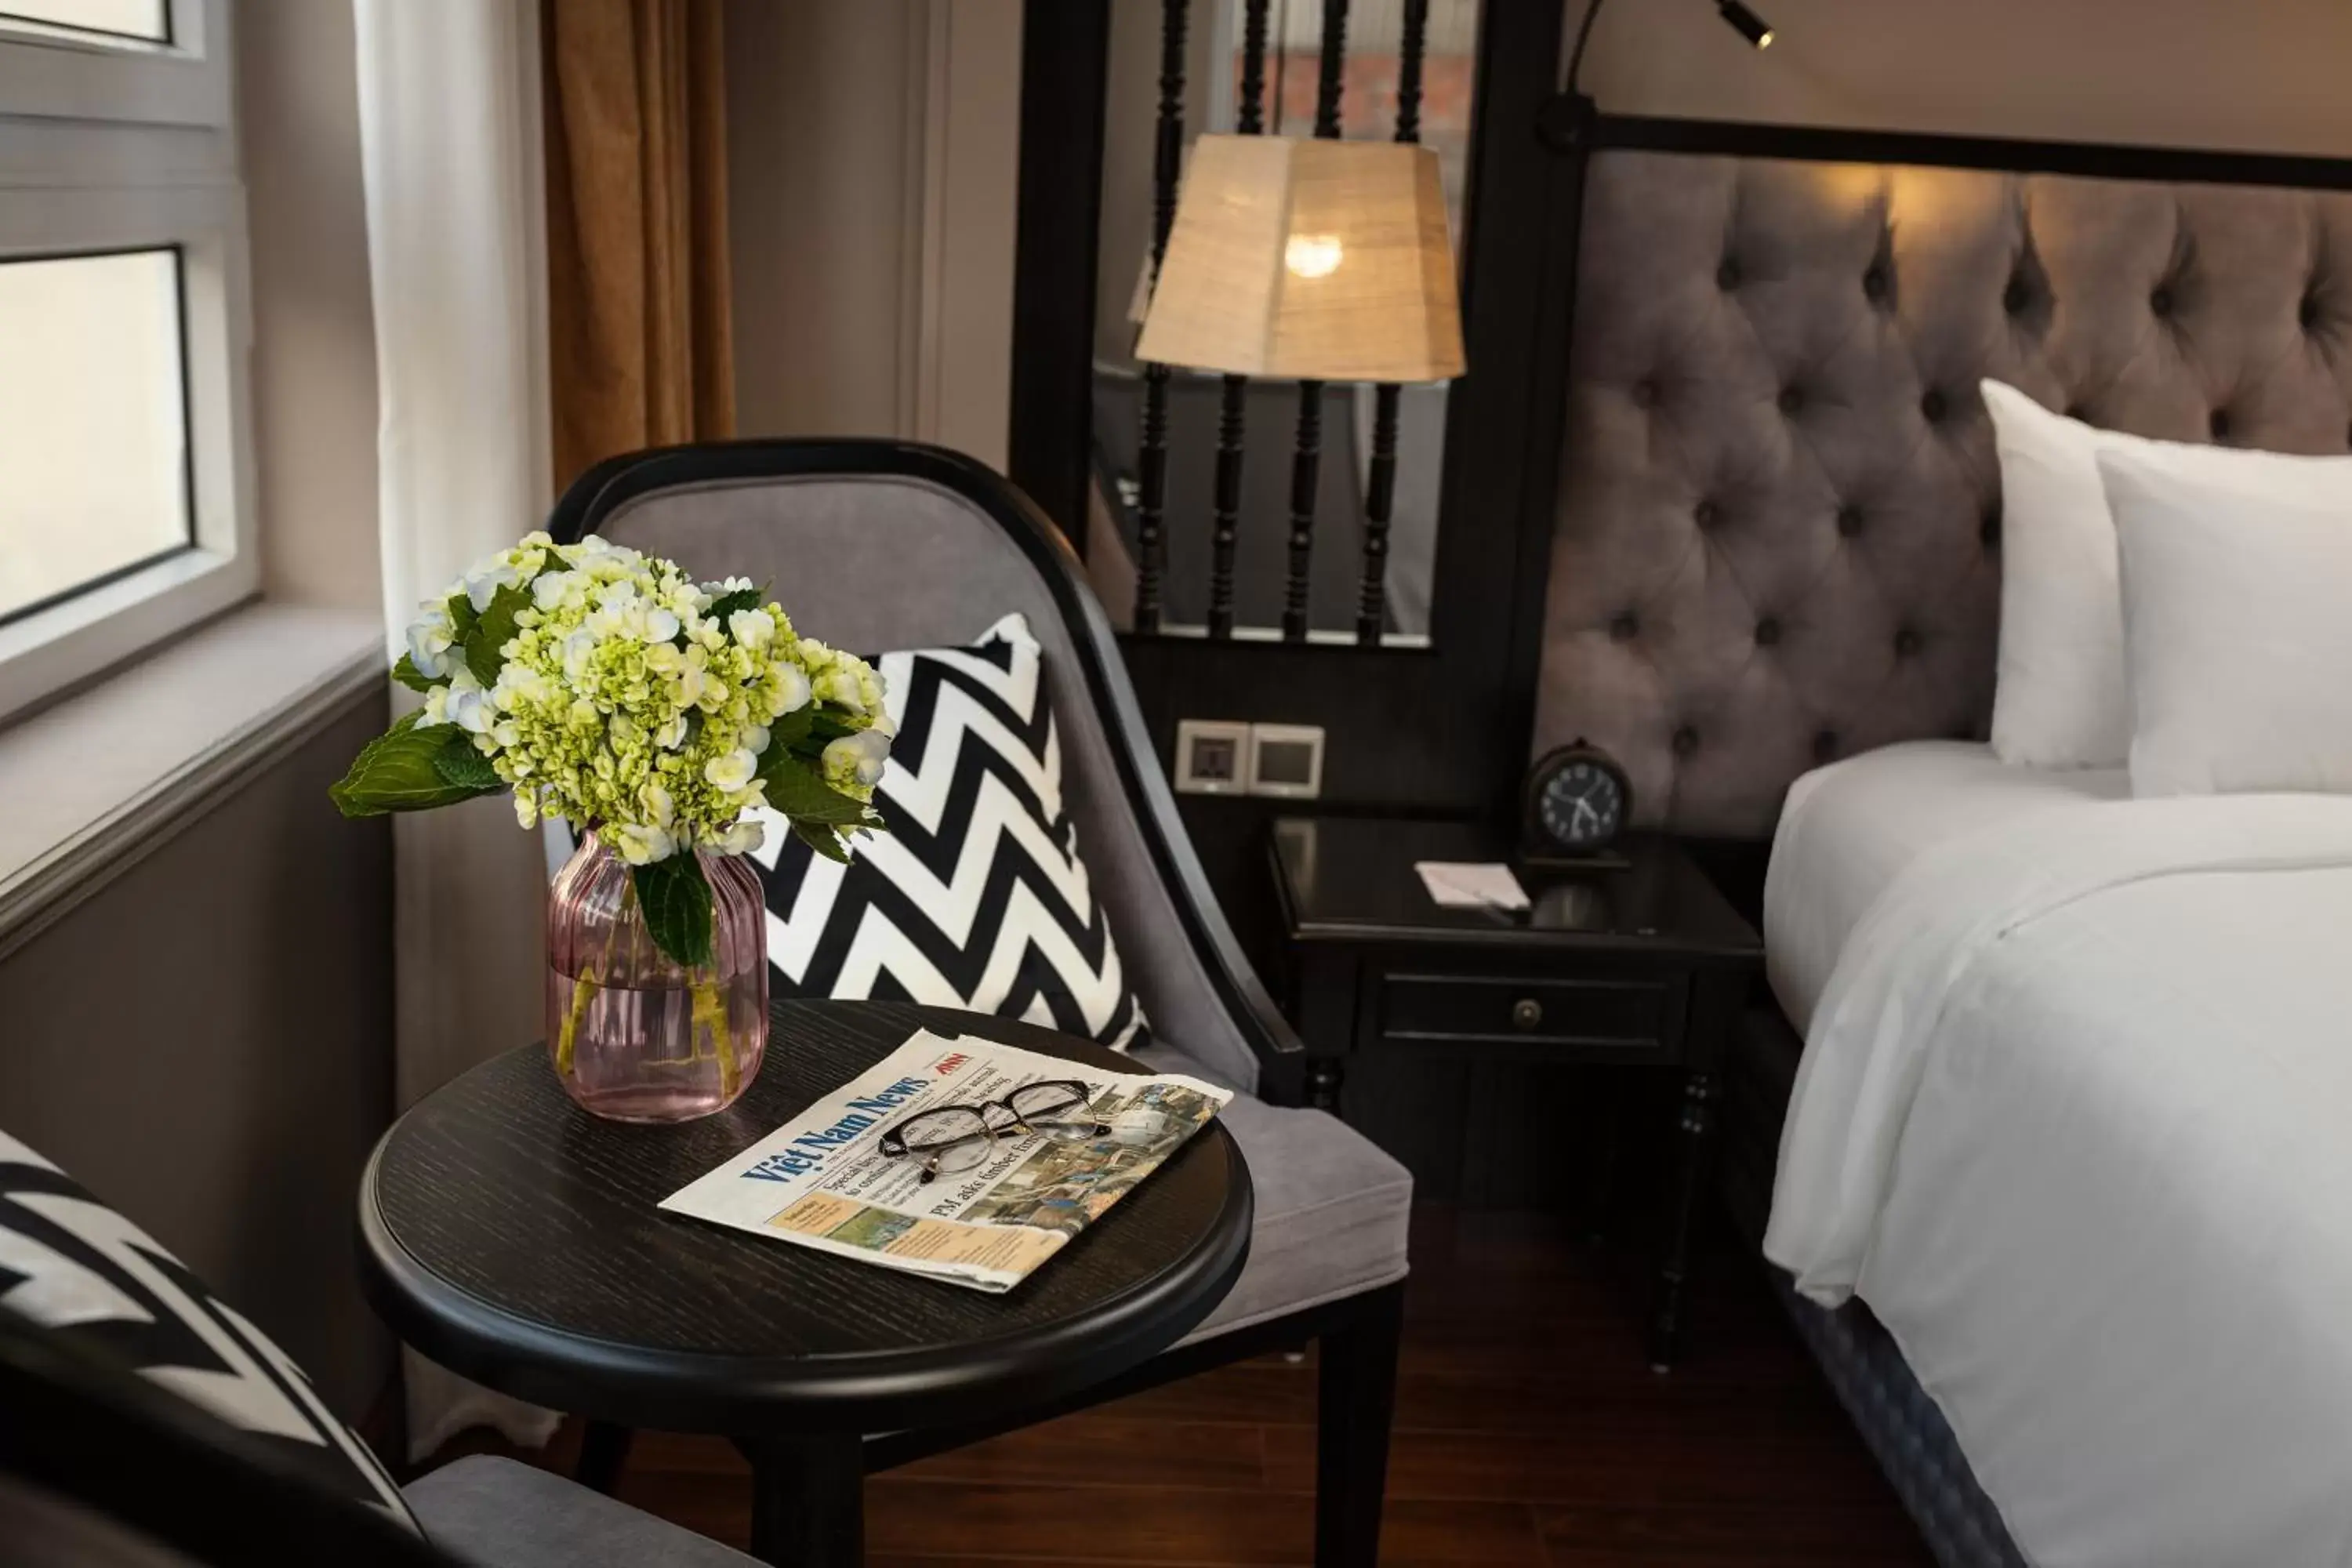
1529,1431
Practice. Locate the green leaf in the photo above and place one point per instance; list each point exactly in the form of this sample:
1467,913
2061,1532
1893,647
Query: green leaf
493,631
826,841
677,902
726,605
825,727
397,772
408,675
459,763
795,791
462,614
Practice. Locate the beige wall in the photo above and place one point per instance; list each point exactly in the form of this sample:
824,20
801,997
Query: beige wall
314,398
873,150
206,1043
2253,75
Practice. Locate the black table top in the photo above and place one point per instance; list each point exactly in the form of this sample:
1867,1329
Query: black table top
1351,879
511,1237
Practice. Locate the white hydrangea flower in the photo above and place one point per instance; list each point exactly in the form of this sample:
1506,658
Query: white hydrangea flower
639,844
787,690
755,629
732,771
430,637
743,837
857,759
487,577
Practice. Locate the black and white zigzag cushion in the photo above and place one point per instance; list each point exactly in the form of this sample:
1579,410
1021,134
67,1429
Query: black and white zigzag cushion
976,897
75,1265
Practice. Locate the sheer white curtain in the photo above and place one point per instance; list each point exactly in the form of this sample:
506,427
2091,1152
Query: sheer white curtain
450,127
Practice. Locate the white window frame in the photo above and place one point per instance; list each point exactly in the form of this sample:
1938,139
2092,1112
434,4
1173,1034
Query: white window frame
110,148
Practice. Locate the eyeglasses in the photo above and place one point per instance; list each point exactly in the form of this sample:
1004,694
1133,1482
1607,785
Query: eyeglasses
957,1137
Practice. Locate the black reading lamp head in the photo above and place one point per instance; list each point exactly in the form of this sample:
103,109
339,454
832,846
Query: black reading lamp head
1735,14
1746,23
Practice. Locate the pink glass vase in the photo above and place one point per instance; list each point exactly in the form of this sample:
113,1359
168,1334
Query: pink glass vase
635,1035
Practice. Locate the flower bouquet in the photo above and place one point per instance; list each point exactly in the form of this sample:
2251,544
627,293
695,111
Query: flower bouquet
652,712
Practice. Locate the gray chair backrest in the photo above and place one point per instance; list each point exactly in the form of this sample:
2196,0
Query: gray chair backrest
873,562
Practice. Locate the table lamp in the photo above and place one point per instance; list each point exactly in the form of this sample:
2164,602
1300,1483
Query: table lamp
1313,260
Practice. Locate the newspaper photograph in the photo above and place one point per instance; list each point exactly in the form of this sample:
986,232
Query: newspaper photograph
825,1179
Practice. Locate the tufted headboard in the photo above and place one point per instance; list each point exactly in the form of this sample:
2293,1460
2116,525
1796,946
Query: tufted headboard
1778,526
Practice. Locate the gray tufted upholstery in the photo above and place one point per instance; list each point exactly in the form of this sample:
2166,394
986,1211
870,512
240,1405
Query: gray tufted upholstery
1779,527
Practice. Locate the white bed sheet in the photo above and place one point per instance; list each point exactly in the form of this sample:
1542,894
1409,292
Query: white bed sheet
1849,828
2070,1119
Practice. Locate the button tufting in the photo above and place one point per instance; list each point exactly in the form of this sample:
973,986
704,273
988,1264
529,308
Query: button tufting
1624,627
1988,527
1768,631
1685,741
1645,393
1906,643
1726,277
1932,406
1873,282
2160,303
2078,412
2016,297
1849,521
2307,311
1792,399
1825,745
2219,424
1706,515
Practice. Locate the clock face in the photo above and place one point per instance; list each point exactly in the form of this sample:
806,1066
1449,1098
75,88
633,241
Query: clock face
1581,805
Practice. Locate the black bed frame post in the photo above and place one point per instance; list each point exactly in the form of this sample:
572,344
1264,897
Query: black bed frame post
1307,452
1065,47
1249,120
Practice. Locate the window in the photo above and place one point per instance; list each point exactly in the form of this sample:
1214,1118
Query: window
125,499
111,21
92,368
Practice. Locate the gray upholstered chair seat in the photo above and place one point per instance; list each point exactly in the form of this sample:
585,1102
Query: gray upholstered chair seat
501,1514
1333,1208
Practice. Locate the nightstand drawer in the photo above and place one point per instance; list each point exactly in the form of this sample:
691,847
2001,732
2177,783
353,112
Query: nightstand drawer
1633,1011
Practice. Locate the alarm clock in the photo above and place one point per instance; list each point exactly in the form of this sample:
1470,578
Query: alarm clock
1576,802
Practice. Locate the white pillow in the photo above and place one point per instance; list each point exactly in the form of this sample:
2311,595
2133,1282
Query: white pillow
2059,699
2237,614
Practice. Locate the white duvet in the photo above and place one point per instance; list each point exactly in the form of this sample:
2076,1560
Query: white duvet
2074,1118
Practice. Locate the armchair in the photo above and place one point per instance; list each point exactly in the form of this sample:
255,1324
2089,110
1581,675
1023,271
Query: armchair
916,546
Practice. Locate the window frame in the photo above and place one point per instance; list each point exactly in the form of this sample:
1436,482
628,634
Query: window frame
106,149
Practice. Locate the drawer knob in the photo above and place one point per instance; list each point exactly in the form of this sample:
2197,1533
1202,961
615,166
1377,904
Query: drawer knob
1526,1012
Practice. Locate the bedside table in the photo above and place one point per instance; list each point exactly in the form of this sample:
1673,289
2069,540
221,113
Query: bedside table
1643,966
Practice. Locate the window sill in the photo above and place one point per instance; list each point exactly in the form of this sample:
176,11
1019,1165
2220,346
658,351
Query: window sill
91,785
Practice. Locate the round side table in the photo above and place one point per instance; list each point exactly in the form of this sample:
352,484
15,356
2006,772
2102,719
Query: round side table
511,1237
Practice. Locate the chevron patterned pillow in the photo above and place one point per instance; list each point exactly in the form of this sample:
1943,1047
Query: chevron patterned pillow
976,897
73,1265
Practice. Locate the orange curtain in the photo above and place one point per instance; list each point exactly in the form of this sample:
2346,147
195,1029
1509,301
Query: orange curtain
638,342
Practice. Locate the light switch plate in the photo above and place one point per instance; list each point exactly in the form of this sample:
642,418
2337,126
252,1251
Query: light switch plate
1213,756
1287,760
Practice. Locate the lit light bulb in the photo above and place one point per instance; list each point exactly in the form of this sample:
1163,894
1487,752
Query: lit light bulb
1312,254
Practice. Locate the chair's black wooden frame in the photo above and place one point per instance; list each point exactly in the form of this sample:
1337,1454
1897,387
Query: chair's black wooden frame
1357,1336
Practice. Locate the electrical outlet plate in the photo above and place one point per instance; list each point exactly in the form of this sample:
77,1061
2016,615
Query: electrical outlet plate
1213,756
1287,760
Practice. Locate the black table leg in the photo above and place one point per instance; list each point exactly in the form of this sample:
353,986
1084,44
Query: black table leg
808,1499
603,1449
1696,1135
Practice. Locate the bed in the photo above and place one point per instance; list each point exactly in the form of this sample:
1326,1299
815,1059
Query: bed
2063,1208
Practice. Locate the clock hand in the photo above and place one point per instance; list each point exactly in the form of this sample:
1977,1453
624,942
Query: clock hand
1584,810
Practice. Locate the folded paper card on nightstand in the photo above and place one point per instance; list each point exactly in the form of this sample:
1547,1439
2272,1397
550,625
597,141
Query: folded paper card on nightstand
1471,885
979,1196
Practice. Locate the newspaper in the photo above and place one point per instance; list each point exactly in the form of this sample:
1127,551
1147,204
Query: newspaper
823,1181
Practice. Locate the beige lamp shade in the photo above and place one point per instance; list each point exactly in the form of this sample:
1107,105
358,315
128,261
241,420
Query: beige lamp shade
1317,260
